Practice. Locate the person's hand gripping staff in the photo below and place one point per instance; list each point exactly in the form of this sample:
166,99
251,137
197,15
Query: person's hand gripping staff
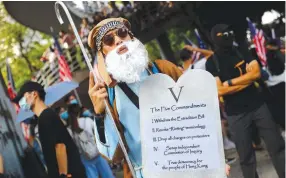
97,93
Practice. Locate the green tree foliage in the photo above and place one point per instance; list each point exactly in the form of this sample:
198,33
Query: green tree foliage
177,42
22,46
153,50
177,39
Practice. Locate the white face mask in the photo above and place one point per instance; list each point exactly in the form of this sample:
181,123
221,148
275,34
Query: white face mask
127,67
24,105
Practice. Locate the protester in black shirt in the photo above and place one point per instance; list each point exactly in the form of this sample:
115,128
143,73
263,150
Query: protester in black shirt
236,76
60,153
276,82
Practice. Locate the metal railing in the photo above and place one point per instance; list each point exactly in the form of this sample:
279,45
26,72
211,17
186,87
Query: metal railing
143,15
49,73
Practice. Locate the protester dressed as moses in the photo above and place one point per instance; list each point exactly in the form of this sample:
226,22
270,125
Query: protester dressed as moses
123,64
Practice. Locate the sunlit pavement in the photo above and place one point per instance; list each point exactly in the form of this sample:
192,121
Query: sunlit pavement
265,168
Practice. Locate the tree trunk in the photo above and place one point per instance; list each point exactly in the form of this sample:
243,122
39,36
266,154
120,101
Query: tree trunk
30,66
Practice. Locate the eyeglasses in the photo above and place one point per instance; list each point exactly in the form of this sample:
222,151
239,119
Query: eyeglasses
109,39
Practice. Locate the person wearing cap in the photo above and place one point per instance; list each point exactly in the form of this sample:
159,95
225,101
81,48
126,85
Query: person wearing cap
60,153
236,75
123,64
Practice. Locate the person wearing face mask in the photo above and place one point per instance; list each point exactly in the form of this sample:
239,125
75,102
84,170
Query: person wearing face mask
71,99
60,152
276,82
85,118
63,114
235,75
87,113
123,64
95,166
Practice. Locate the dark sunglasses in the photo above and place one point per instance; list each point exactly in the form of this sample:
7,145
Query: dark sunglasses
109,39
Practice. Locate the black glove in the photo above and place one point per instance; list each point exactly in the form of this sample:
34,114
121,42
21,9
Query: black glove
63,176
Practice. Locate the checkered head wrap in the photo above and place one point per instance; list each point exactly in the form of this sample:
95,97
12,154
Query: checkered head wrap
97,33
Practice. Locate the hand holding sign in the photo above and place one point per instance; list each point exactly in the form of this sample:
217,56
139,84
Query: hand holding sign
180,127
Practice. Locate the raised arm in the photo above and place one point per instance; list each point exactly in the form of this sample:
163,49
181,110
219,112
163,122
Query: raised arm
205,52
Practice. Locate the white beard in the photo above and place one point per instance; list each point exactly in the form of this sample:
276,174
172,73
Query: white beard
127,67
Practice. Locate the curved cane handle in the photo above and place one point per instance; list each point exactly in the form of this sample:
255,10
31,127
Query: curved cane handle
58,14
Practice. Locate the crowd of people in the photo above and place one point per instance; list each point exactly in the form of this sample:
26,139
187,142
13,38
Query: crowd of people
64,137
252,100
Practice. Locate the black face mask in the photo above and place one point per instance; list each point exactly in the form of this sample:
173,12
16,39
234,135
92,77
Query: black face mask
222,37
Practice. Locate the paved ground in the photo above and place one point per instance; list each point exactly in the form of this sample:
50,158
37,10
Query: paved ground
264,166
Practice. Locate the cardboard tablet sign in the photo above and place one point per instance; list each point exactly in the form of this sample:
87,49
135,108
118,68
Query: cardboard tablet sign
181,127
